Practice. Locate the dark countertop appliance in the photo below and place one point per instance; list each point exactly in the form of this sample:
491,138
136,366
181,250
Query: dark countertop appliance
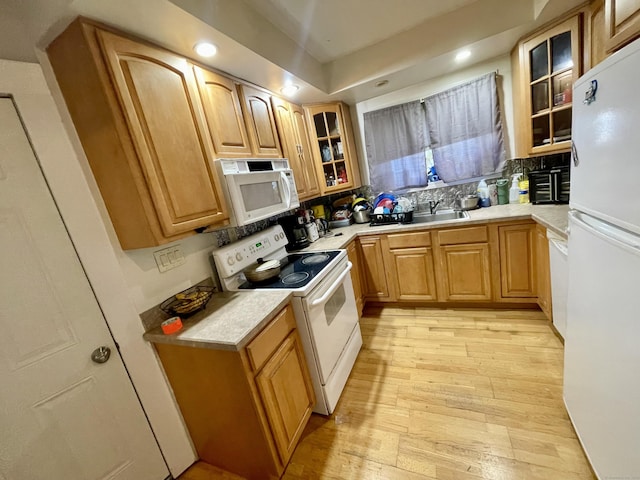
294,229
549,186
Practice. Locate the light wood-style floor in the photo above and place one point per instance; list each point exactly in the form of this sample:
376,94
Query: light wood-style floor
446,395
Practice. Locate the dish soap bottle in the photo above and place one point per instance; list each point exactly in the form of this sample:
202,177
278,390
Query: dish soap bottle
514,191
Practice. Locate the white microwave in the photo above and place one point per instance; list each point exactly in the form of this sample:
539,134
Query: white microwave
257,189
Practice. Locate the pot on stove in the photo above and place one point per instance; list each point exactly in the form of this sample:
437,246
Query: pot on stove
262,271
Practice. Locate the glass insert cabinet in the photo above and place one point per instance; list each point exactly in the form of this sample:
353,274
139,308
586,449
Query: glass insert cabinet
333,146
551,65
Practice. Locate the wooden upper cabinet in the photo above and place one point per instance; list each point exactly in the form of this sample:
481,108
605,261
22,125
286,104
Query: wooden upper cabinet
260,122
136,110
551,63
295,146
223,112
333,147
596,33
306,155
622,22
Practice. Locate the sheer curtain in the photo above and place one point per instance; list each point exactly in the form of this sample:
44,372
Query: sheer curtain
396,138
465,129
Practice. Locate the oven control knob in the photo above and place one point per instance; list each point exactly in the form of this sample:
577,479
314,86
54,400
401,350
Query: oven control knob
275,237
239,256
281,235
230,260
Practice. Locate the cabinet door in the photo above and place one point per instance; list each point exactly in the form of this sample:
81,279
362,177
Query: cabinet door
412,272
306,155
333,147
551,64
374,279
287,393
543,271
622,22
290,147
261,125
517,267
223,113
159,97
466,272
353,251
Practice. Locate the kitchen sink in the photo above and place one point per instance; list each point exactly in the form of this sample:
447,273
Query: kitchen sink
439,216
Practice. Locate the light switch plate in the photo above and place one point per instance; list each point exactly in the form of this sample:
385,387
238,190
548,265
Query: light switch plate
168,258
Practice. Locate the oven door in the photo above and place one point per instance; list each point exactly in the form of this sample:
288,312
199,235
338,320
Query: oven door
332,316
258,195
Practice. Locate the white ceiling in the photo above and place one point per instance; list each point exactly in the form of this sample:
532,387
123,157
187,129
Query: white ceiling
331,48
328,29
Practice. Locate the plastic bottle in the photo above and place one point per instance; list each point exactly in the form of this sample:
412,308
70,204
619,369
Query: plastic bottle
483,194
523,194
483,190
514,191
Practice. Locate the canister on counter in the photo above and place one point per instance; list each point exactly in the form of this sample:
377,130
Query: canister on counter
503,191
493,194
319,211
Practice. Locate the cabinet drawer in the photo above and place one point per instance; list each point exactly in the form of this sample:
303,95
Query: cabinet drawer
267,341
463,235
404,240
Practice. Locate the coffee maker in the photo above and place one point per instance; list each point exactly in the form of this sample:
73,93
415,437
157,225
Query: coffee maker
295,231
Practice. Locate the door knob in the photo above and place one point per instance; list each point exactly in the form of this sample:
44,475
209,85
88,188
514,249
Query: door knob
101,354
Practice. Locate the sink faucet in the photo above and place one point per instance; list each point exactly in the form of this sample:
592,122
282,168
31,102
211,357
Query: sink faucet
433,206
457,201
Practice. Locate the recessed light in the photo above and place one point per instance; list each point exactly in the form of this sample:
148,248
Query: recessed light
463,55
289,90
205,49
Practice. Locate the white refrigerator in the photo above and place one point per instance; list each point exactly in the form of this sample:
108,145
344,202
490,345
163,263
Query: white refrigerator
602,342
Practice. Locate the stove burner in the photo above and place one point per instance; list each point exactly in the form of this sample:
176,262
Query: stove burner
316,258
295,277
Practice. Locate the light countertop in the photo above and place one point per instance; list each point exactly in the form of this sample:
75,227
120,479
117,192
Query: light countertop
553,217
230,321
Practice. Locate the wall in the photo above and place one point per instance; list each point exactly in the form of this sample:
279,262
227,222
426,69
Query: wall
500,64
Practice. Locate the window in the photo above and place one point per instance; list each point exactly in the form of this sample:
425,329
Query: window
396,138
466,130
461,127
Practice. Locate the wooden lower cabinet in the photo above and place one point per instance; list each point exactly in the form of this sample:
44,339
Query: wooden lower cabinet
465,272
543,270
517,261
245,410
504,262
464,264
354,254
374,277
410,267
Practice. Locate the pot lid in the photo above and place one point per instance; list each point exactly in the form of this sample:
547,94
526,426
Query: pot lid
267,265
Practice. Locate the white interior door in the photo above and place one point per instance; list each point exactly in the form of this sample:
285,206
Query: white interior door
62,416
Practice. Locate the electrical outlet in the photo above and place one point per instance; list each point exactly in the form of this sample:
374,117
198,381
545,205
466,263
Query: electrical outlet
168,258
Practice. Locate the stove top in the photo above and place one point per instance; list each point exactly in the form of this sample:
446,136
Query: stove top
296,270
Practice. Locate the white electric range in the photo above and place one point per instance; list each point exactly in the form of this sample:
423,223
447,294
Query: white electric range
323,302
